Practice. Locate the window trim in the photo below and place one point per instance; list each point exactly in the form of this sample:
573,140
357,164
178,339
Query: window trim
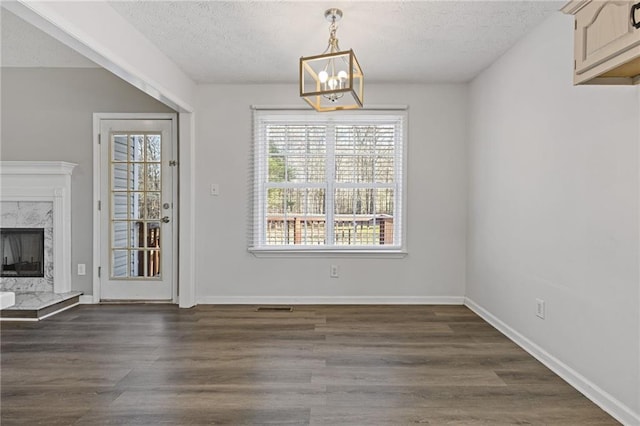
256,201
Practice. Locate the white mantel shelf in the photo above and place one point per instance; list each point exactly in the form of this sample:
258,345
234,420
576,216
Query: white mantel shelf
36,168
48,181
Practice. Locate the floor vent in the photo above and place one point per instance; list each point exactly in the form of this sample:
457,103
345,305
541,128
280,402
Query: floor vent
275,309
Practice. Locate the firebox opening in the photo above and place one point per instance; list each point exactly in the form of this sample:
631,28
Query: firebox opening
22,251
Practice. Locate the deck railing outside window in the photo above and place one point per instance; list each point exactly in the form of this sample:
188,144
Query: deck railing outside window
362,230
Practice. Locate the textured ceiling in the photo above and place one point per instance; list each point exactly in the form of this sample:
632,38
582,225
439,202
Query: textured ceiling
262,41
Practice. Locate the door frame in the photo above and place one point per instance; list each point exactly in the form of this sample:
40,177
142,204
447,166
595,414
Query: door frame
97,186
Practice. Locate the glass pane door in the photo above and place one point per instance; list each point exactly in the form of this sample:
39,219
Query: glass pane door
136,205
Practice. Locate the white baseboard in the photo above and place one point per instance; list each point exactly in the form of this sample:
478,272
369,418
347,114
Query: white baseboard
604,400
86,300
331,300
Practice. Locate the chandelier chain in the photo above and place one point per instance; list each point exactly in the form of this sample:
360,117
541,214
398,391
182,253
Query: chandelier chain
332,45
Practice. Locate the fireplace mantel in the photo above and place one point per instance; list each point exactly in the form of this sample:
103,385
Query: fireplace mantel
36,168
48,181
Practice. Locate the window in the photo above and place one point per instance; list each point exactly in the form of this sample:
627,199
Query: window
327,182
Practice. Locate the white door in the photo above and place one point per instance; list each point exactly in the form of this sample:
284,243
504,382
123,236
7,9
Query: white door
136,210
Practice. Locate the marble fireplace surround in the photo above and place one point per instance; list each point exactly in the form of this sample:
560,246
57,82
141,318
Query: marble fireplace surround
48,182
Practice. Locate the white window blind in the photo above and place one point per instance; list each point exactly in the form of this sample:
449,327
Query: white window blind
327,182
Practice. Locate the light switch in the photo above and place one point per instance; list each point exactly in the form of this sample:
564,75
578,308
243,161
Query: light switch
215,189
82,269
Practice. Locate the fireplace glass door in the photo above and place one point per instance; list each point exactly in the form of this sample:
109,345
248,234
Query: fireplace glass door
22,252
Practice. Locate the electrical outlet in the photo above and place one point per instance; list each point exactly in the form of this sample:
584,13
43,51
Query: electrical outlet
82,269
540,310
333,271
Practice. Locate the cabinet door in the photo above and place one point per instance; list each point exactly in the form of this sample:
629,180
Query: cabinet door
603,31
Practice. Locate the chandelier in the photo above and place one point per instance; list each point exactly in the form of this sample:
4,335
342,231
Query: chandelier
333,80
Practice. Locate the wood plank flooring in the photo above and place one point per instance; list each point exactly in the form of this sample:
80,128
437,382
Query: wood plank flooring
317,365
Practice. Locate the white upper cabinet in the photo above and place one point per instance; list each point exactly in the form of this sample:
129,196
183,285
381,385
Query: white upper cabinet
606,41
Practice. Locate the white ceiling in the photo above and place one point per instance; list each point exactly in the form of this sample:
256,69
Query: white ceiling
262,41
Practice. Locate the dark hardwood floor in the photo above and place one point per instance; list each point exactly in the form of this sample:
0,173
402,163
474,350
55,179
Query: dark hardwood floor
319,365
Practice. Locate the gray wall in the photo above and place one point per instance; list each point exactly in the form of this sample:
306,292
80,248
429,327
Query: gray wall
47,114
553,209
436,205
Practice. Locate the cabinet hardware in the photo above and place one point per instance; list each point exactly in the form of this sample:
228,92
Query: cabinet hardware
635,23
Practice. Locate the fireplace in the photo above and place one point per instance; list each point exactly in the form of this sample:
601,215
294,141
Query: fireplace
22,251
35,196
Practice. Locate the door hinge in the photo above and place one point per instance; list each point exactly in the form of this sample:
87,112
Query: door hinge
173,163
575,25
99,271
574,64
99,138
99,205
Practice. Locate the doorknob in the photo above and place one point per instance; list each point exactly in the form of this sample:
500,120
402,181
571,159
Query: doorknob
165,219
635,23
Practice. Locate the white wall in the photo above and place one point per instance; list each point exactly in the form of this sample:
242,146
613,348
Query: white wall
47,114
435,266
553,211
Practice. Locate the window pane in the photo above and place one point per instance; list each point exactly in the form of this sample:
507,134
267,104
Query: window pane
152,201
296,216
119,264
119,234
153,177
344,201
315,198
136,234
277,167
364,176
275,201
315,169
137,176
276,136
137,146
354,169
119,176
153,148
137,263
295,201
296,139
296,169
119,148
119,205
384,169
276,230
316,144
153,235
153,270
137,205
384,201
364,216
